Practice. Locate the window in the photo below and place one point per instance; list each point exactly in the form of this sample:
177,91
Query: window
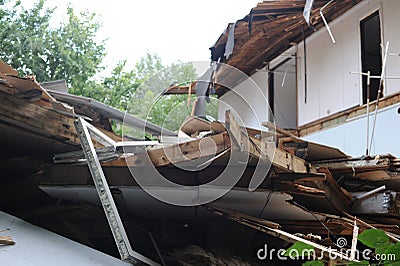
371,56
282,94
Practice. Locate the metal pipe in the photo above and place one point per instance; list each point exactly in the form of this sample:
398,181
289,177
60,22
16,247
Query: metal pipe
375,77
379,93
325,22
368,96
305,67
354,240
369,193
284,77
157,249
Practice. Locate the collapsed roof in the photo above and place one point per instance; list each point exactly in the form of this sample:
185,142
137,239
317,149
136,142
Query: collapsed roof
270,29
319,186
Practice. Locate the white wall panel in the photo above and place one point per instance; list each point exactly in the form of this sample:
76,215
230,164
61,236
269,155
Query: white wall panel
331,88
391,34
248,100
351,136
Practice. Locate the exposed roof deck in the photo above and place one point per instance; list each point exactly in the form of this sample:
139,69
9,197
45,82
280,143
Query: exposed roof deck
271,28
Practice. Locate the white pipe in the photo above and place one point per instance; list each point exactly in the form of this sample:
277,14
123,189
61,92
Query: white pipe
379,93
284,77
325,22
369,193
375,77
354,241
384,64
368,96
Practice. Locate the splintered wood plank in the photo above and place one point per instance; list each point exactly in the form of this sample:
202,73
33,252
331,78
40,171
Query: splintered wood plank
6,240
24,84
194,124
7,89
238,216
336,195
177,153
377,175
208,146
34,117
289,162
217,127
281,159
355,165
212,145
273,229
238,135
38,119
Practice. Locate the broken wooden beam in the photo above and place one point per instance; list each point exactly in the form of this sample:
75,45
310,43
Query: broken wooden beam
265,150
338,197
189,150
359,164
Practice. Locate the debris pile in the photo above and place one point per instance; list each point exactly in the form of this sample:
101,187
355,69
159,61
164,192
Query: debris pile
308,188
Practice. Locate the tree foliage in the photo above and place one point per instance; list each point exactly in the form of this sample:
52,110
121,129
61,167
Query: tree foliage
33,46
117,89
77,56
168,111
24,37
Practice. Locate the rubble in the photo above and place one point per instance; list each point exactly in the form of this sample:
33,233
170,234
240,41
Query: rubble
316,189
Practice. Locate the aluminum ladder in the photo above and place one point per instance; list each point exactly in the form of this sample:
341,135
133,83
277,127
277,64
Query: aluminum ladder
85,132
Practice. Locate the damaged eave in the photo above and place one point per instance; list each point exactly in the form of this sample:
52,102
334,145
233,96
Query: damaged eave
101,114
270,29
36,116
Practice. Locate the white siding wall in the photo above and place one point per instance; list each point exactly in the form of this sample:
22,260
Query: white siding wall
330,86
391,33
248,100
351,137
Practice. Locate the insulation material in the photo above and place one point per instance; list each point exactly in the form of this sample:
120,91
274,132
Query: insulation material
231,41
307,11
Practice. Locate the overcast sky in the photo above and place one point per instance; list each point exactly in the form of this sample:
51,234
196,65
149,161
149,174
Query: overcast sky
174,29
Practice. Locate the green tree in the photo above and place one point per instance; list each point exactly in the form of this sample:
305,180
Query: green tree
147,66
117,89
24,36
31,45
74,54
168,111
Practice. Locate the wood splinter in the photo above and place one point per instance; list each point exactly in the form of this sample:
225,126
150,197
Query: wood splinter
6,240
